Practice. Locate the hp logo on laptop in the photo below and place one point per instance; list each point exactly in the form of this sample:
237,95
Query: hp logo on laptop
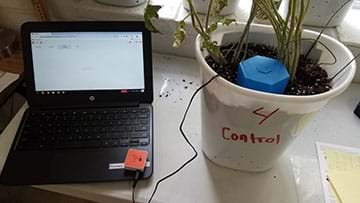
92,98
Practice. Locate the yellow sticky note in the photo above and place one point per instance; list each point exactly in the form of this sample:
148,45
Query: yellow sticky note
341,160
346,184
344,174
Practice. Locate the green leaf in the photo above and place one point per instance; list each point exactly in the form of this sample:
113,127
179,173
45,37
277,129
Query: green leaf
150,13
228,21
182,24
179,34
214,50
211,46
212,27
221,4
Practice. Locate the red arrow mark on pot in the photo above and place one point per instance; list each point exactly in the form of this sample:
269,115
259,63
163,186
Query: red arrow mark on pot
265,117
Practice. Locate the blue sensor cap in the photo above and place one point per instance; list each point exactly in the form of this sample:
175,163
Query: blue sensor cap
263,74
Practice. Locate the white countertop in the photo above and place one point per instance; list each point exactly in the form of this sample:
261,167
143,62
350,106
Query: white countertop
202,180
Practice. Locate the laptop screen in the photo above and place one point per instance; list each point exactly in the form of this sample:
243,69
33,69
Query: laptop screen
87,61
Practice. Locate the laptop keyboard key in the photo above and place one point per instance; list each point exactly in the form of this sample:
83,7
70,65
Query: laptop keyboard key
118,129
134,144
129,129
144,143
144,121
143,115
115,143
133,140
141,128
106,143
139,135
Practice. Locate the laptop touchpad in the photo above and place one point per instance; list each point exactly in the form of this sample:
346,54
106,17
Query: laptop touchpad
77,165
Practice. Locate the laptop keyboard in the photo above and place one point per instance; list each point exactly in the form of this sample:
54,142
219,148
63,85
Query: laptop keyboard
87,128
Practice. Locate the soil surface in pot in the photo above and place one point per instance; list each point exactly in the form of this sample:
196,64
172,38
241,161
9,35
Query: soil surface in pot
310,78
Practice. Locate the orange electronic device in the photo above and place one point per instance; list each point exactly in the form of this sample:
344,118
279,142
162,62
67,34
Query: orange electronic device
135,160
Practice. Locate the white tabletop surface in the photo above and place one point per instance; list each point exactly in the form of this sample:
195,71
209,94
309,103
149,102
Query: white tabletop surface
202,180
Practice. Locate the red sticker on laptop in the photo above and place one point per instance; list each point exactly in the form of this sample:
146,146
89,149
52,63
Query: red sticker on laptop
135,160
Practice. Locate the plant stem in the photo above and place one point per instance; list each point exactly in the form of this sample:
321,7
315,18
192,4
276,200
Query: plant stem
243,35
188,15
275,9
246,47
297,45
194,16
208,14
269,14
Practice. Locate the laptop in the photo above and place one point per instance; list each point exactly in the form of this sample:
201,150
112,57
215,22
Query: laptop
90,89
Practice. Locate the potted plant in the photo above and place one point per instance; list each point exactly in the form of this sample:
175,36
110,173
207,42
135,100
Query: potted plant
247,129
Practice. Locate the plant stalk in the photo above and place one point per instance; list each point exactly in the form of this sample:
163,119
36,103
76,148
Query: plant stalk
208,13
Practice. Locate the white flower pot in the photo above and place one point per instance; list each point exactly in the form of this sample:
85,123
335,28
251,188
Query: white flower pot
248,130
320,12
201,6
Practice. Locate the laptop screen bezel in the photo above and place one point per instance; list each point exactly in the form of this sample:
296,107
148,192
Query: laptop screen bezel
88,97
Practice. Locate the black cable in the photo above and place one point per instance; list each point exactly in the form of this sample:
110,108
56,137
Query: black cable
343,68
326,25
186,139
136,179
133,195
